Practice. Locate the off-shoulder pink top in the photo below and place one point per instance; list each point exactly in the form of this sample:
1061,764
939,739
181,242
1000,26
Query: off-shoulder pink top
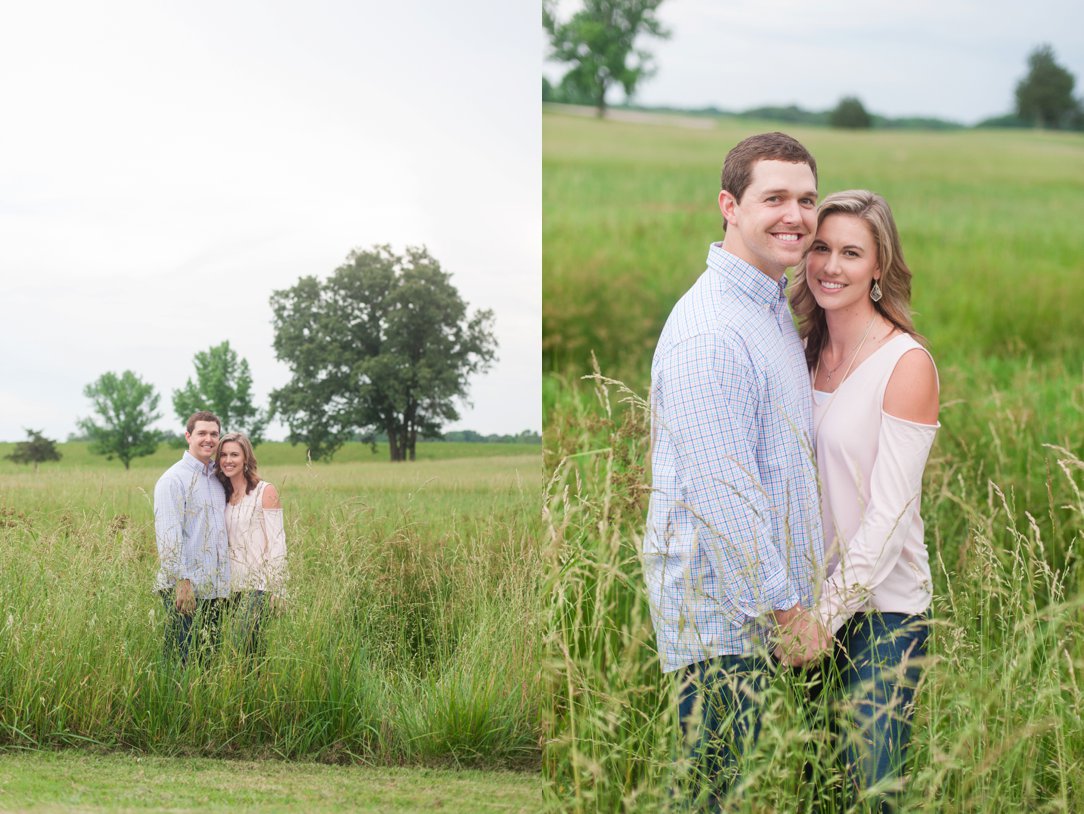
870,466
257,543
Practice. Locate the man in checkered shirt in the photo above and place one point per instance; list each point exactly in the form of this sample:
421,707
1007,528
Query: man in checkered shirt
733,544
193,553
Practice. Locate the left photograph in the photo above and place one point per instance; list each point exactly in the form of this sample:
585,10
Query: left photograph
270,453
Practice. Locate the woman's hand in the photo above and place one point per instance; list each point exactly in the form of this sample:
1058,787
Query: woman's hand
800,639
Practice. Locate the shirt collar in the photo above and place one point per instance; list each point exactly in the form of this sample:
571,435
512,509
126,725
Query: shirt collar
192,462
747,278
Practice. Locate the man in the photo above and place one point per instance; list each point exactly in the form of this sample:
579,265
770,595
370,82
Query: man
190,526
733,542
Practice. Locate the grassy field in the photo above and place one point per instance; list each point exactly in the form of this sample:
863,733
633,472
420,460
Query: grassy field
989,222
411,635
274,453
95,784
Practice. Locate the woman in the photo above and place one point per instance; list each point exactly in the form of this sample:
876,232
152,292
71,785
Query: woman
875,392
257,539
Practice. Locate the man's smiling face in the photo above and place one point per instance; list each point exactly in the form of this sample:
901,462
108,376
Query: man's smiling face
774,223
203,440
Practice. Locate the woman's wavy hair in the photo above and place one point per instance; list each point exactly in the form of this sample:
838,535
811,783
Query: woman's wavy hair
895,304
251,472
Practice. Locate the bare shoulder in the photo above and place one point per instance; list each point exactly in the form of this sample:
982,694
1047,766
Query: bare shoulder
912,389
271,497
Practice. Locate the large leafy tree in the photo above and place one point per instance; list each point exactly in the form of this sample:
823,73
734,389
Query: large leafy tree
223,385
599,42
384,344
1045,96
36,449
125,406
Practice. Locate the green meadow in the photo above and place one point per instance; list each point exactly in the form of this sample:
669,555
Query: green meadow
274,453
411,635
990,228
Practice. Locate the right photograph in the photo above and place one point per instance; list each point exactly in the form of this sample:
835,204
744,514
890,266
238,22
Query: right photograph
813,406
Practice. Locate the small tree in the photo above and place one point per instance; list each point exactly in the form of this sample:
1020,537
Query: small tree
1045,96
223,385
126,406
850,114
599,42
36,449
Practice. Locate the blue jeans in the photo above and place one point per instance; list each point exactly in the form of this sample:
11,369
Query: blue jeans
878,657
248,609
720,720
201,630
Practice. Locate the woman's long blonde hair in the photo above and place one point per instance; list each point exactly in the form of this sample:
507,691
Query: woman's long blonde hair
252,475
895,282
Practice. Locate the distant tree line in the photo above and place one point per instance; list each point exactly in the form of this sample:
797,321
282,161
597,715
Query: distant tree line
472,437
1043,98
383,348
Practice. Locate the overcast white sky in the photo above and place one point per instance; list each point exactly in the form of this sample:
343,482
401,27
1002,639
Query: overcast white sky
954,59
165,166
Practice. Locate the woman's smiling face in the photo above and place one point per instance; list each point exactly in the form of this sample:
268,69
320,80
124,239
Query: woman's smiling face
231,459
842,262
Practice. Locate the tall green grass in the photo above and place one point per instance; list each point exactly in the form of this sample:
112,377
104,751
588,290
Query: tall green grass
989,224
1000,720
411,633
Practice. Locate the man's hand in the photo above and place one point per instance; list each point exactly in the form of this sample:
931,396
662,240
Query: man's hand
785,617
185,598
801,637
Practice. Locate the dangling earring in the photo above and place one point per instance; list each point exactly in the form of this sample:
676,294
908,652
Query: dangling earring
875,293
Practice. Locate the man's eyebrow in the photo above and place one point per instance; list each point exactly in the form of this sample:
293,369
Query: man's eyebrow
784,191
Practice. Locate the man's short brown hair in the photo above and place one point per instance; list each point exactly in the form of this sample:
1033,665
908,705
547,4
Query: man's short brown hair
738,166
202,415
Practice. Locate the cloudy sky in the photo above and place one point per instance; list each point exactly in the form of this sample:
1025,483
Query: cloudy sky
954,59
165,166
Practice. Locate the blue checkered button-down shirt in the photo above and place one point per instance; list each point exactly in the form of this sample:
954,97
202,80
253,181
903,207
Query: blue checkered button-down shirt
190,527
733,527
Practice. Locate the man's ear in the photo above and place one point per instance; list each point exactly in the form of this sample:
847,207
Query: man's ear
728,205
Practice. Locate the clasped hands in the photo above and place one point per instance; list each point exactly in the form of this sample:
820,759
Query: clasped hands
800,637
184,597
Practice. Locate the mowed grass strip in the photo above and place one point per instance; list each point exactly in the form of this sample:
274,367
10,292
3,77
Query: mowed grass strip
74,781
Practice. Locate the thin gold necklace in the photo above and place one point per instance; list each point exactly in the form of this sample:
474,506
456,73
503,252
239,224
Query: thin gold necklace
853,357
832,397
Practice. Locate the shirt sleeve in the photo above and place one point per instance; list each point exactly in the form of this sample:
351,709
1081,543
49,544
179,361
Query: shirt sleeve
869,557
169,512
275,556
712,415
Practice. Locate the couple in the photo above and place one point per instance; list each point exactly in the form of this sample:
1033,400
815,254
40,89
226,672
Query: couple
221,540
735,553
